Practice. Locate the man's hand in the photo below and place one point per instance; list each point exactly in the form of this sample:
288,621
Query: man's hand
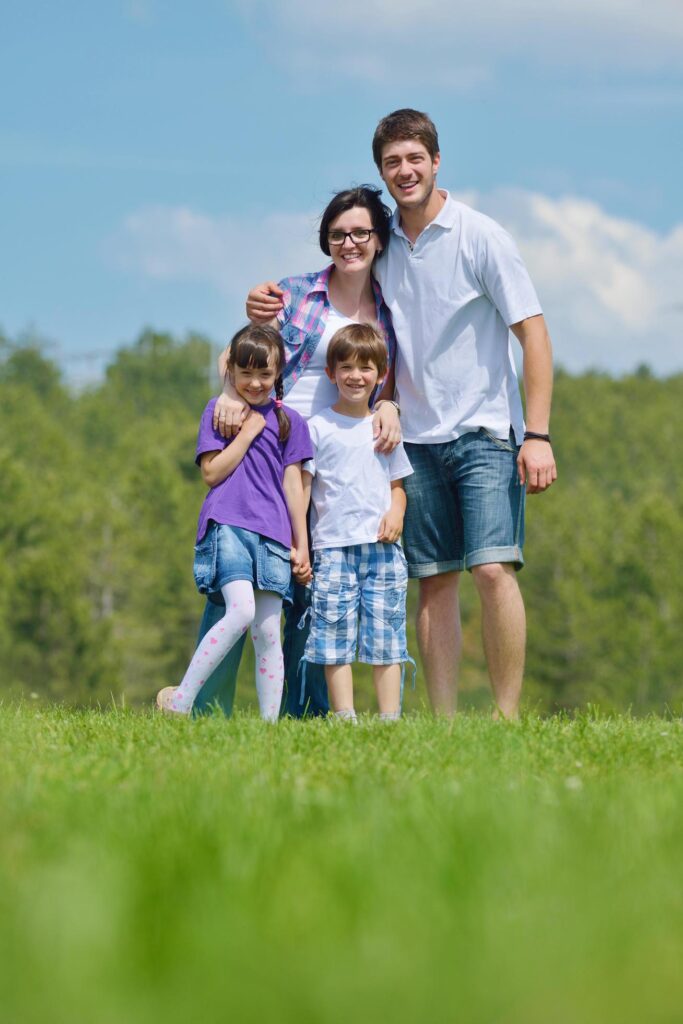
229,415
536,466
386,428
301,566
264,302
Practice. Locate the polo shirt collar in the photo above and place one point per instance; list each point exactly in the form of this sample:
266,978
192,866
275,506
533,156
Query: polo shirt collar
445,218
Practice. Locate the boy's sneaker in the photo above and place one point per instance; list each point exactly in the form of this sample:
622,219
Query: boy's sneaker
165,701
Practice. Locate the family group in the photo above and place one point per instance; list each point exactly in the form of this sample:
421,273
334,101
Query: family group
368,410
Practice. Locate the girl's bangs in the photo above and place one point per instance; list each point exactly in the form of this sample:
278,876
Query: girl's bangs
250,354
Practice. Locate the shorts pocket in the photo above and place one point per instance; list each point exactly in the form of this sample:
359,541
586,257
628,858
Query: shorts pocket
504,444
274,566
205,560
331,604
395,606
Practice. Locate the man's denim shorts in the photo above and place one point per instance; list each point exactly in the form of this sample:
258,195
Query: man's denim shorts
465,504
229,553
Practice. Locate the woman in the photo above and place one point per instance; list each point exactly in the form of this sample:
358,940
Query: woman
354,229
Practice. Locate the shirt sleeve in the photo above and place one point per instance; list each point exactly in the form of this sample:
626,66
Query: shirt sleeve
208,439
285,313
505,278
399,463
298,446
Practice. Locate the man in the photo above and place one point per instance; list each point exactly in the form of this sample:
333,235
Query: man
455,284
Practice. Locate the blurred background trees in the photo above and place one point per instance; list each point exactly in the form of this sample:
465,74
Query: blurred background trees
99,501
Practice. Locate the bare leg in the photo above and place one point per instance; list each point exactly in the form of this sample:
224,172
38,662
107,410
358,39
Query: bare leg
387,680
340,686
503,626
439,638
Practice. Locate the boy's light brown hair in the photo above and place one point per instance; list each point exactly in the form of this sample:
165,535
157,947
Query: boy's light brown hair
401,125
361,342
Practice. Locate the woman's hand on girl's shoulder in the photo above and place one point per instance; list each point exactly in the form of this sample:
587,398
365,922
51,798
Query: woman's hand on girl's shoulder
229,415
386,428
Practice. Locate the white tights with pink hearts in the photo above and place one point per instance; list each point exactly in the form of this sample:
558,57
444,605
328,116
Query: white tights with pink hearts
244,608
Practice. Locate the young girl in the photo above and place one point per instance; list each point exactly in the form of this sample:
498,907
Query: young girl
252,521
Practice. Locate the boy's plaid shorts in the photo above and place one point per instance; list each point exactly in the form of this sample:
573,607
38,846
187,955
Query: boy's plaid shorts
359,593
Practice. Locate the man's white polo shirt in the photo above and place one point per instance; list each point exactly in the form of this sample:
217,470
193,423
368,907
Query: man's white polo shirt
452,296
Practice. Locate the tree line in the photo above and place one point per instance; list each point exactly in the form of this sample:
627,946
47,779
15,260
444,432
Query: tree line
100,497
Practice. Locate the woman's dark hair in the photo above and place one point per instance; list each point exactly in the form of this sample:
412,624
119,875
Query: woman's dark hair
366,196
256,347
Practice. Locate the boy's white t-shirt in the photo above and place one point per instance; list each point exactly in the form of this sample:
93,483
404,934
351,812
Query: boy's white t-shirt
351,487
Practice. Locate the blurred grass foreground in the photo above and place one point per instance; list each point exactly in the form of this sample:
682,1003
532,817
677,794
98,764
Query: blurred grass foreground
156,870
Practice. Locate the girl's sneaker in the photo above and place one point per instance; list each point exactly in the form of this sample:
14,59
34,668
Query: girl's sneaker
165,701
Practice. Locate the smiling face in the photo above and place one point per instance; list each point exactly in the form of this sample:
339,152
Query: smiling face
252,384
354,257
356,379
409,173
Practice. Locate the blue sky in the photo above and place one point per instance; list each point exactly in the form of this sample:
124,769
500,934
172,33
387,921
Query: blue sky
157,158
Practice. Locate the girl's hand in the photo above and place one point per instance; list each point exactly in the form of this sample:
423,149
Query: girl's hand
386,427
253,425
301,566
229,415
390,527
264,302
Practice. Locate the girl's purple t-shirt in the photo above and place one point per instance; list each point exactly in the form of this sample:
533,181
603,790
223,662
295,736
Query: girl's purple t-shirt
252,496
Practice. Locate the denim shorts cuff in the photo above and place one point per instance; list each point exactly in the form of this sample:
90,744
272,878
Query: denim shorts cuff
486,556
419,570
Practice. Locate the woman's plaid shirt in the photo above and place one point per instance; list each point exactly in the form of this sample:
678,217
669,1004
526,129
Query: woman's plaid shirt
303,317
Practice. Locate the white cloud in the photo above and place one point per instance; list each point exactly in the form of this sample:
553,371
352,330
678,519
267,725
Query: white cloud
459,44
610,287
229,253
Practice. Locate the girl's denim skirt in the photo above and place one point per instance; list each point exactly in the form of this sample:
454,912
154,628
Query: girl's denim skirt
229,553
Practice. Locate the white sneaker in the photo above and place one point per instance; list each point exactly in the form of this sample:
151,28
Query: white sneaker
165,701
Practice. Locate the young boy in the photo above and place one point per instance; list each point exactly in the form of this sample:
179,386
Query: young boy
359,572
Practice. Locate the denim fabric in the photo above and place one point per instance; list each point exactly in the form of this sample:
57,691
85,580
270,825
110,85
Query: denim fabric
465,504
229,553
218,692
298,614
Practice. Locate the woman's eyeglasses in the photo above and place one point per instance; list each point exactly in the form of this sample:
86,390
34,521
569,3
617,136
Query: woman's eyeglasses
361,236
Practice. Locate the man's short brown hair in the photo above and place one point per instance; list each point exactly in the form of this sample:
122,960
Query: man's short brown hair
360,342
401,125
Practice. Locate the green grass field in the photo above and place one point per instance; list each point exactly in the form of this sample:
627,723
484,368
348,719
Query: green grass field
156,870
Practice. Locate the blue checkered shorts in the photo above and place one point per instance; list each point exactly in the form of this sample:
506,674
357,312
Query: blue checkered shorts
359,594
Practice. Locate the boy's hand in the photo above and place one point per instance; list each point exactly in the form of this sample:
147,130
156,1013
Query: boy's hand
301,566
390,527
386,428
264,302
229,415
253,425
